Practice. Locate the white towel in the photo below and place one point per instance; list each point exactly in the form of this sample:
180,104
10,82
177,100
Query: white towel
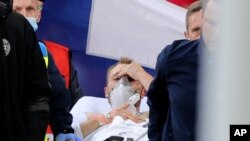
122,128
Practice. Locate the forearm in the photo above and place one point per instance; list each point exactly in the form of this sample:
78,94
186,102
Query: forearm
145,79
94,122
156,124
60,122
36,117
36,123
89,127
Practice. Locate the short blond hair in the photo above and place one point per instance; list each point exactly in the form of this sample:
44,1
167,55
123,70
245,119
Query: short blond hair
193,8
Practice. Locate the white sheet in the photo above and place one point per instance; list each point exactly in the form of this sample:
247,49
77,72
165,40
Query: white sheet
122,128
95,105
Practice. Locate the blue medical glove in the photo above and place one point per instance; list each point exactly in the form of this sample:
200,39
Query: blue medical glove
67,137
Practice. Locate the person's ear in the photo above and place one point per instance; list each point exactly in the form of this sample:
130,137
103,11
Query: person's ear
186,35
39,15
202,16
106,91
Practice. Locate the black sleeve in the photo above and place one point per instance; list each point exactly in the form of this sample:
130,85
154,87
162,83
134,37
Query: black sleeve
76,92
36,109
158,99
60,118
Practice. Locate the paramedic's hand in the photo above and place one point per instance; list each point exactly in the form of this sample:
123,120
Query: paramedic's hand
67,137
124,112
135,71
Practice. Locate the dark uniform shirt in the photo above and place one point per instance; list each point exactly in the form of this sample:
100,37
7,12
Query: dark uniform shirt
172,93
24,88
60,118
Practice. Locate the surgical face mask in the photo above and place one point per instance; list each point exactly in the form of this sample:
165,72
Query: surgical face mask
33,22
121,93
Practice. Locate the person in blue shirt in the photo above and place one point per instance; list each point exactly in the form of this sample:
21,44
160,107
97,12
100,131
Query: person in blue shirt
193,21
172,95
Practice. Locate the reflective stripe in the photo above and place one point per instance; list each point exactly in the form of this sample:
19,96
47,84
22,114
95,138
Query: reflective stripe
46,59
45,53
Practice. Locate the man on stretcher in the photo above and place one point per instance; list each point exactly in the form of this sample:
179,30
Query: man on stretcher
124,119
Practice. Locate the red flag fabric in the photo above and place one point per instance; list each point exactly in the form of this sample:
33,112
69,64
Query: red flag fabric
182,3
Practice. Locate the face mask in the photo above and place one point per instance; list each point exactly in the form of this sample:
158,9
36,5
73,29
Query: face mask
33,22
121,93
